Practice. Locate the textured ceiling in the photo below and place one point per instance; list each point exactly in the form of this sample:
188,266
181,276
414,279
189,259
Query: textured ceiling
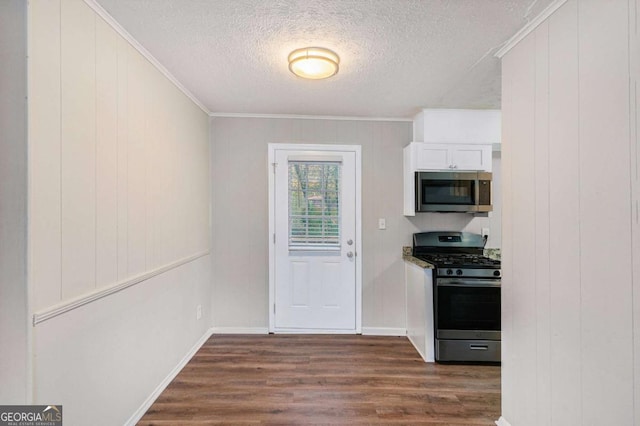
396,56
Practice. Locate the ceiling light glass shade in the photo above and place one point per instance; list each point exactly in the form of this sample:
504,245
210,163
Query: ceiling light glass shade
313,63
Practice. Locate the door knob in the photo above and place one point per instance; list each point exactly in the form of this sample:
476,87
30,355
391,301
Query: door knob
350,242
350,254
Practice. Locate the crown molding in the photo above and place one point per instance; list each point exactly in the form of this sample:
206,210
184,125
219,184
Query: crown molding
529,27
307,117
144,52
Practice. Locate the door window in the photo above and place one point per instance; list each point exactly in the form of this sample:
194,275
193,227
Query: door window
314,205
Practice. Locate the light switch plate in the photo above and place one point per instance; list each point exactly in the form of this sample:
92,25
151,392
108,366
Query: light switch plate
382,223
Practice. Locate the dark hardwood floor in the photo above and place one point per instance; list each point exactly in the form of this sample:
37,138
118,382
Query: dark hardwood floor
319,379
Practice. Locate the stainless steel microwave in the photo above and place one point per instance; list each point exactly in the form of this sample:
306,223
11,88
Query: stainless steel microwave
468,192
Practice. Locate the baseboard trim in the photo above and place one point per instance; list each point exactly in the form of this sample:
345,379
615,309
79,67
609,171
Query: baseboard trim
240,330
384,331
306,117
137,415
312,331
502,422
425,358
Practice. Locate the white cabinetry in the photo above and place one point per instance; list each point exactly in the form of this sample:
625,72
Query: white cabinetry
434,156
420,156
419,283
474,126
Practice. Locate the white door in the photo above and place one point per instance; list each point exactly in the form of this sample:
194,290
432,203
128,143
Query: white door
315,250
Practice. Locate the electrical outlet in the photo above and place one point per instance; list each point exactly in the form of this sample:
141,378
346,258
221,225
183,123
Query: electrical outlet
485,232
382,223
198,311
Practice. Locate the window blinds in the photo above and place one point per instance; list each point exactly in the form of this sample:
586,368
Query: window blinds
314,204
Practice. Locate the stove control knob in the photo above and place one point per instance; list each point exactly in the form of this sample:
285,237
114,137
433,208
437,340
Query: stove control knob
449,272
496,273
459,272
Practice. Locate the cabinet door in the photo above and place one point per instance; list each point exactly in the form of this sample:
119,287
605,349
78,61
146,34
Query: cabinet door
471,157
433,156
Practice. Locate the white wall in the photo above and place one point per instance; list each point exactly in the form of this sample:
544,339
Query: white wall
571,310
118,188
13,202
103,360
240,213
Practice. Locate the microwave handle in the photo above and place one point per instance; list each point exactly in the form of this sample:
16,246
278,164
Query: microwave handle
476,192
418,190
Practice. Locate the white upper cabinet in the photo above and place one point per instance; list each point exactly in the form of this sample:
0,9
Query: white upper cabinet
432,156
467,126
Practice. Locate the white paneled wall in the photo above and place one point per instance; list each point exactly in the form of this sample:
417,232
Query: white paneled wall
603,58
77,148
118,165
14,375
118,158
120,348
570,246
44,153
106,172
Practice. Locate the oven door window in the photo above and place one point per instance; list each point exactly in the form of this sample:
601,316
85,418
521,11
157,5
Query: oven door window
468,308
448,192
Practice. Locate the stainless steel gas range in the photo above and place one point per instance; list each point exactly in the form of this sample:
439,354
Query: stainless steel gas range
466,296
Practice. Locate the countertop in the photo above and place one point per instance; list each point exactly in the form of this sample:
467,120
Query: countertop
407,254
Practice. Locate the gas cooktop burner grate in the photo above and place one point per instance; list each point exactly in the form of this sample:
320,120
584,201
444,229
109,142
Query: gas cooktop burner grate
462,260
453,250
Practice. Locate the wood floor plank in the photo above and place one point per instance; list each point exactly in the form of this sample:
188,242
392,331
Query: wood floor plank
317,379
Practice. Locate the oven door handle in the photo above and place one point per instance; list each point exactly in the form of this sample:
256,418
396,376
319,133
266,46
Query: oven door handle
456,282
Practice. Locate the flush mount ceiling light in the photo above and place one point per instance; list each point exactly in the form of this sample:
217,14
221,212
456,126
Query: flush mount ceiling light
314,63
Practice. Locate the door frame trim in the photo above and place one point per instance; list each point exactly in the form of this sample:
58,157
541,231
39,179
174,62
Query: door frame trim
357,149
